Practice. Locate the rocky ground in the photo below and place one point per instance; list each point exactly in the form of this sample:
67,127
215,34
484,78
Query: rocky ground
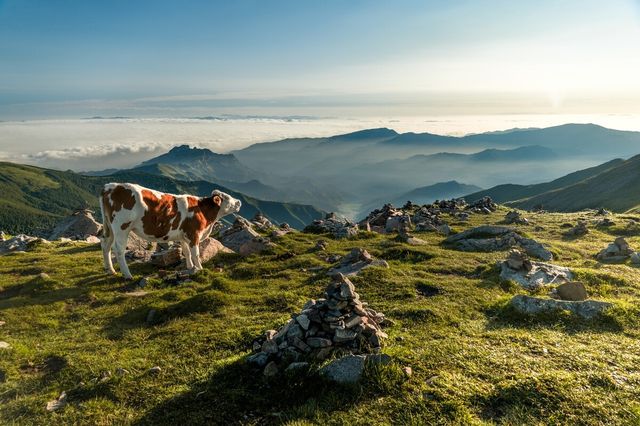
425,329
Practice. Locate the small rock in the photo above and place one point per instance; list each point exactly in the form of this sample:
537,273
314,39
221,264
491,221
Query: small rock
318,342
4,345
408,371
151,316
155,370
573,290
57,404
304,321
347,369
271,369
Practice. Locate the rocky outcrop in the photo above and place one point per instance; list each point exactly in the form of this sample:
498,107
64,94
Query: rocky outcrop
574,291
339,323
332,224
242,239
78,226
496,238
515,217
529,305
531,274
354,262
19,243
617,251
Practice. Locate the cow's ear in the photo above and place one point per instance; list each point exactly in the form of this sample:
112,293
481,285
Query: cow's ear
217,200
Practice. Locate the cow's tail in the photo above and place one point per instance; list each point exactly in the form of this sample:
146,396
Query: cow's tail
106,220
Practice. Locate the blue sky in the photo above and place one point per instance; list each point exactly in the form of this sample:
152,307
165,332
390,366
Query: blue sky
181,57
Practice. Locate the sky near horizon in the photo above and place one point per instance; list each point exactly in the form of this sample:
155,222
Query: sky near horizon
331,58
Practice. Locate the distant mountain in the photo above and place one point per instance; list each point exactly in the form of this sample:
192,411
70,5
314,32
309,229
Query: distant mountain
199,163
424,195
33,199
510,192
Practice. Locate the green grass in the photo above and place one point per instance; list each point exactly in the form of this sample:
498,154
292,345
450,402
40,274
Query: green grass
71,328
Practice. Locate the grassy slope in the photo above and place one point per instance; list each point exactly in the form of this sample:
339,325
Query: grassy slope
512,192
615,189
474,362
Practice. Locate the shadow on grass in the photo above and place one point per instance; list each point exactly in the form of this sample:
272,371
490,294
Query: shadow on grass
146,316
502,316
81,249
239,394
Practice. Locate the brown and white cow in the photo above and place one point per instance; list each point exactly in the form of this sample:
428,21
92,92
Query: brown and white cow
156,216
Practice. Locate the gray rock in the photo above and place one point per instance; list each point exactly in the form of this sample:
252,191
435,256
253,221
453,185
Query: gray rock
78,226
271,369
260,359
487,238
635,258
319,342
530,305
345,370
539,275
296,366
572,291
304,321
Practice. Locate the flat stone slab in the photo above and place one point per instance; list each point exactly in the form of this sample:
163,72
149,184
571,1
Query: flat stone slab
587,309
541,274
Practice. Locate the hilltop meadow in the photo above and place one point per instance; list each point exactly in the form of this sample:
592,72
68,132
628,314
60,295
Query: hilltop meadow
71,328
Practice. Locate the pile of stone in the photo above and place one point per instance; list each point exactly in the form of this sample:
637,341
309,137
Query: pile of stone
602,212
487,238
579,230
617,251
261,222
387,219
484,205
340,323
354,262
332,224
515,217
80,225
450,206
282,230
242,239
19,243
518,267
427,218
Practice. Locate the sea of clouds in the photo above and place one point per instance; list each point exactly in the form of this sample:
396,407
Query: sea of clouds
120,142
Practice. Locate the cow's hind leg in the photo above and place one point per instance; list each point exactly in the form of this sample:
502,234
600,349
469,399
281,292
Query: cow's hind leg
107,243
186,252
120,248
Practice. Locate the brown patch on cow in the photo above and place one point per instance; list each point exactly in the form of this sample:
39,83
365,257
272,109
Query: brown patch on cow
205,211
160,215
125,225
122,197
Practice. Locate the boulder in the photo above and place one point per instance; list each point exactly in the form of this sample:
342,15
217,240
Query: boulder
489,238
210,247
531,274
572,291
78,226
348,369
139,249
514,217
529,305
164,258
354,262
242,239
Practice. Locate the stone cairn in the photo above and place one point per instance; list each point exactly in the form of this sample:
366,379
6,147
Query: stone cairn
340,324
261,222
618,251
483,205
338,227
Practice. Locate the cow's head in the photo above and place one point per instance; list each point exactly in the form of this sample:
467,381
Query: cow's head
227,204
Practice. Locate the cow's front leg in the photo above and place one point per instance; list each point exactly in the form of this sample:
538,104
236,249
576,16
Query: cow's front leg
195,257
186,252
